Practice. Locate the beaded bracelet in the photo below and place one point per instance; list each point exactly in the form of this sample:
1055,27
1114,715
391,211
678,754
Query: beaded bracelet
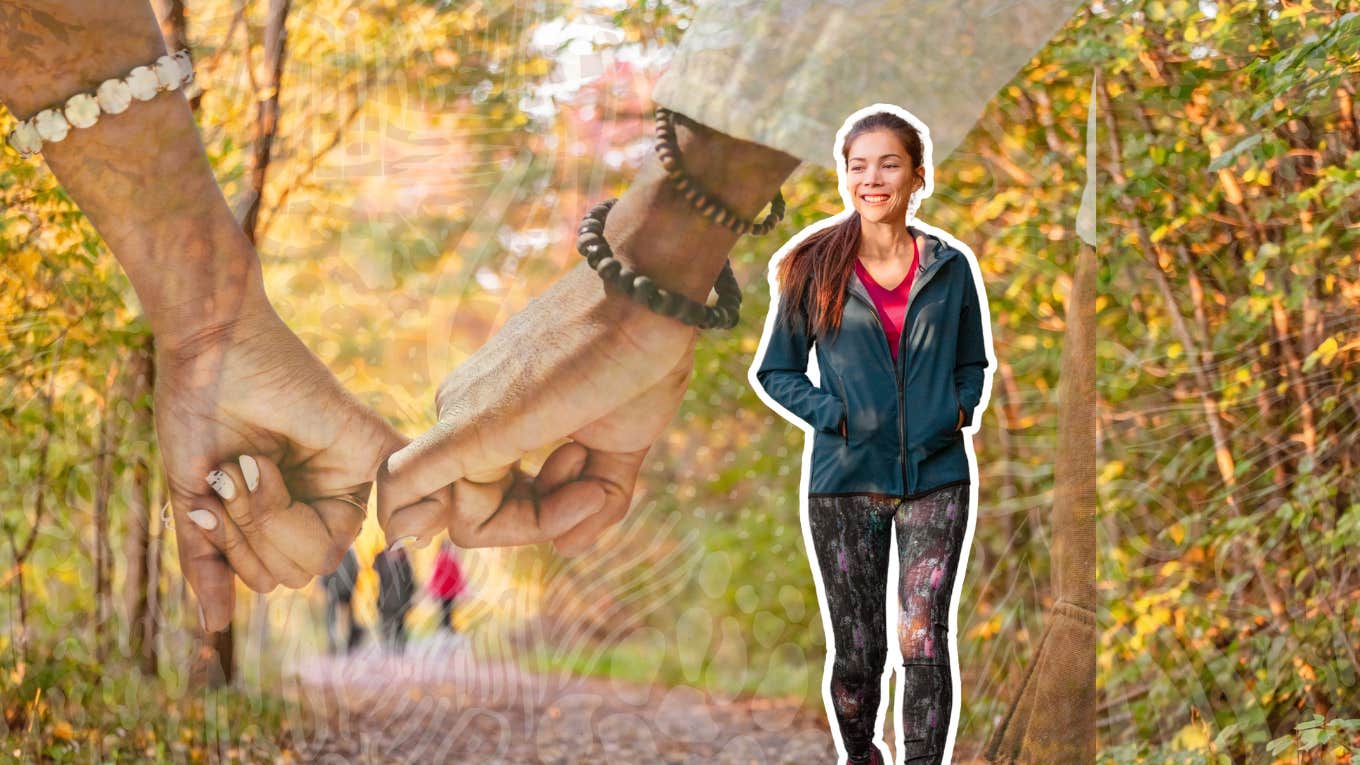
591,243
169,72
668,150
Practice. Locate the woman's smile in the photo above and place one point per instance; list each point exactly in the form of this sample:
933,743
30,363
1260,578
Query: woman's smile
881,175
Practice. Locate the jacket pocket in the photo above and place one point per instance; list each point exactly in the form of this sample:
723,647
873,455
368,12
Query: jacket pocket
938,423
845,404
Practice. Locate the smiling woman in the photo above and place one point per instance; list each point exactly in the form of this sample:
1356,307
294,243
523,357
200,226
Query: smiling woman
906,370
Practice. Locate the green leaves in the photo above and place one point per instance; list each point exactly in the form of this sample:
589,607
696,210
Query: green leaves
1227,157
1336,735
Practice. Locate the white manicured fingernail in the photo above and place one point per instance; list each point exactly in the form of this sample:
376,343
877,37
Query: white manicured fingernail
222,484
251,470
202,620
204,519
400,543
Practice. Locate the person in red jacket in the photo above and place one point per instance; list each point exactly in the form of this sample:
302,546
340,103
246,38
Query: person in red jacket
446,583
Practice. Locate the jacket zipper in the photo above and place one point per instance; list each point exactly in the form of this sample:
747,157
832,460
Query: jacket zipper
899,370
898,376
901,367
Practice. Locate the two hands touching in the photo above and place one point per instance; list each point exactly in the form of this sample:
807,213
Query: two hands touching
583,371
270,461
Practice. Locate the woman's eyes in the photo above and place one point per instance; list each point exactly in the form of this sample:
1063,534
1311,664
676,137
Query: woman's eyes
885,167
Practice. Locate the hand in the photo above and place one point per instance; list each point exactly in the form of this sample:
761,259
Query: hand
249,387
959,426
576,363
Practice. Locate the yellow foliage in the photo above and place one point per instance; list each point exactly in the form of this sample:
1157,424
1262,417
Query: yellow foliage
1327,350
1192,738
987,629
26,263
1111,470
1177,533
1121,612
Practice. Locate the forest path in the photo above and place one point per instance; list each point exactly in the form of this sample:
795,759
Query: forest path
438,703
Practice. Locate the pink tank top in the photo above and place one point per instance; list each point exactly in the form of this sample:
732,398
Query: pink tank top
891,303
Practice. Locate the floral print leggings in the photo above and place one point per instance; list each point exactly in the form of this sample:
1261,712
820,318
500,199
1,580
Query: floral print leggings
851,535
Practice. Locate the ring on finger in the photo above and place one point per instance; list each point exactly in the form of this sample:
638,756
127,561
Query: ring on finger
351,500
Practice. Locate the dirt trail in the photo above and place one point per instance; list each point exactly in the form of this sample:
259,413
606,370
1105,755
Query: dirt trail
439,704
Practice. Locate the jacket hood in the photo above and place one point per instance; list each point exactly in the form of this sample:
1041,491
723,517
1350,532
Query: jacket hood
934,251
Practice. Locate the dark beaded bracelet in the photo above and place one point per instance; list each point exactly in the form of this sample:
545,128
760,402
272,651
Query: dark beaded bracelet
590,242
668,150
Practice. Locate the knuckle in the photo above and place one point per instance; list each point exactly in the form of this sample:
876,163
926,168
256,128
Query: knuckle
260,583
334,556
348,530
248,523
615,492
614,515
460,518
232,544
461,535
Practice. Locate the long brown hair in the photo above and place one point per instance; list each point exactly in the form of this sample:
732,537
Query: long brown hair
813,277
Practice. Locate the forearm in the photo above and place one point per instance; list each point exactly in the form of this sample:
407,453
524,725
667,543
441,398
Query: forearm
683,251
971,362
796,393
141,177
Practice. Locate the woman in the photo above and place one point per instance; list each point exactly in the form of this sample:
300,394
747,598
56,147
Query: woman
396,587
897,318
340,603
446,584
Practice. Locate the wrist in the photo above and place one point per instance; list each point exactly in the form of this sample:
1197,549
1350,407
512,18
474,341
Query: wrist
184,252
214,291
655,231
50,54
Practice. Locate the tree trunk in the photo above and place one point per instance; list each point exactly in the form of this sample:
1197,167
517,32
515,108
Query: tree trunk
22,551
103,475
266,114
1053,717
175,29
142,517
153,586
266,128
215,659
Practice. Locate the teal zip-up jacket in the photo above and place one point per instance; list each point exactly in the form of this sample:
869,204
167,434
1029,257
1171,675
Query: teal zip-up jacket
901,418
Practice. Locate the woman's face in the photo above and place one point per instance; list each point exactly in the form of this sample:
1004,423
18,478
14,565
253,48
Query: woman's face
880,176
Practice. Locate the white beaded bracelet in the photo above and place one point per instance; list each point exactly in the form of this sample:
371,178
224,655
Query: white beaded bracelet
170,72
